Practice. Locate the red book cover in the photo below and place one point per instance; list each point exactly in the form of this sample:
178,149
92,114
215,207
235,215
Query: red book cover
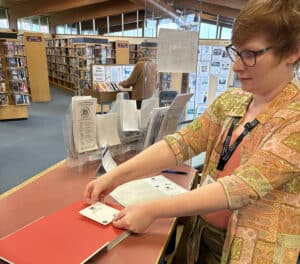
62,237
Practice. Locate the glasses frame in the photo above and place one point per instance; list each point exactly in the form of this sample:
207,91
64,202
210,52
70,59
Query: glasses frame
240,54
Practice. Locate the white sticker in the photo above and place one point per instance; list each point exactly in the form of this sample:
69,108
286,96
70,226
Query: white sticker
100,213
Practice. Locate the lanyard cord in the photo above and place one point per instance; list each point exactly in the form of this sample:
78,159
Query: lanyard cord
227,150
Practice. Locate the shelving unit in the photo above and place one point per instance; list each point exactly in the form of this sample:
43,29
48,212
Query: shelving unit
14,89
133,52
121,52
151,48
70,60
37,66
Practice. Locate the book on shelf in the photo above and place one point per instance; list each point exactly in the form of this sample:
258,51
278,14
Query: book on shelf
2,75
12,62
65,236
3,99
2,87
18,86
21,99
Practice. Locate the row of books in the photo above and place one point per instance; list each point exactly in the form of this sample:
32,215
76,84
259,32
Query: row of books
18,98
107,86
15,61
15,86
11,48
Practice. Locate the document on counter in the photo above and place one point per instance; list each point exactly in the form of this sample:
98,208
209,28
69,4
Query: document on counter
84,123
146,189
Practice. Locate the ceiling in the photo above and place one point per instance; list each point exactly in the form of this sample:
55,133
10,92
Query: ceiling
69,11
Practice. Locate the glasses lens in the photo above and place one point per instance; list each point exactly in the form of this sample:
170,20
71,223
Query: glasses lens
232,53
248,57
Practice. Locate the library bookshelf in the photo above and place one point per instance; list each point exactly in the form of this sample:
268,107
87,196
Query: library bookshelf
37,66
14,88
70,59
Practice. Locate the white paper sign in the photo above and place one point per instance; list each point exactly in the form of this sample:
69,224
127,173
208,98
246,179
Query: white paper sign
108,162
84,123
107,129
129,116
177,50
98,73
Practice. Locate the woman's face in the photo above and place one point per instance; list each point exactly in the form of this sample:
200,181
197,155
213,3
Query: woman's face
269,74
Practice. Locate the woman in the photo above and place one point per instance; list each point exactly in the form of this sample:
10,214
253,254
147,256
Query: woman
142,78
252,141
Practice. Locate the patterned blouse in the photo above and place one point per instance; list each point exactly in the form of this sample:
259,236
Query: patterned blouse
263,192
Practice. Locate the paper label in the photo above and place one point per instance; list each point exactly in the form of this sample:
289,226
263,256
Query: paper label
107,161
100,213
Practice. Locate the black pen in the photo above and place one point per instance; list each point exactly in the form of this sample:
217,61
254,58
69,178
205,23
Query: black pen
174,172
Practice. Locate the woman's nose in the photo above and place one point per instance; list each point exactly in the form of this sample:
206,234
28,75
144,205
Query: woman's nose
238,65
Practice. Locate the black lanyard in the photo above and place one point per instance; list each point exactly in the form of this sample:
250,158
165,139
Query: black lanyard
227,150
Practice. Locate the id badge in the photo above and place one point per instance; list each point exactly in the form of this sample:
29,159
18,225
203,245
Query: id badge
208,180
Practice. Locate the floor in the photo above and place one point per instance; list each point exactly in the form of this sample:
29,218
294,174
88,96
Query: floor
29,146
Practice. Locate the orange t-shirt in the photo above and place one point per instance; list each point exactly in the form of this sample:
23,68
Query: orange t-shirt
220,218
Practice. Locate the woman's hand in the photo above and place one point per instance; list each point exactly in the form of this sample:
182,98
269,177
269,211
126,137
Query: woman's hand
98,188
135,218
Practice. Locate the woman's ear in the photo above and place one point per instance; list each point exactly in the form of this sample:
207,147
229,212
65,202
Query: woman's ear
294,56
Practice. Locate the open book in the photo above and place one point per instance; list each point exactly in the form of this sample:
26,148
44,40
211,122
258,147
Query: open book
64,236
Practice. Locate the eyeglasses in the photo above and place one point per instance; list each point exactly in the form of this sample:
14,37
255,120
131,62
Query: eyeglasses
248,57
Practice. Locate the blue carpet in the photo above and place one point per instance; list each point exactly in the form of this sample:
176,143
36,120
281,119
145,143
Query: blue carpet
29,146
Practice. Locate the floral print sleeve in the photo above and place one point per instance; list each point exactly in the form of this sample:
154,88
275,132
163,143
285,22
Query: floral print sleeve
190,140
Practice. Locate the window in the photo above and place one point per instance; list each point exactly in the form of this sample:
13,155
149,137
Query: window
87,27
60,29
167,23
150,27
34,23
226,33
208,31
44,25
3,18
